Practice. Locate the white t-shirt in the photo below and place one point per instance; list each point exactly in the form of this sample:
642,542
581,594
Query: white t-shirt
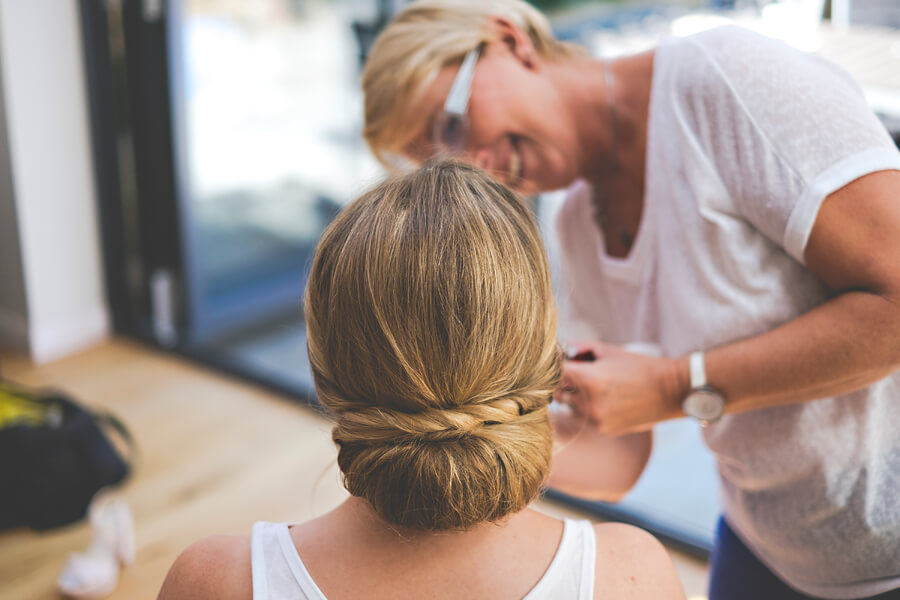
746,138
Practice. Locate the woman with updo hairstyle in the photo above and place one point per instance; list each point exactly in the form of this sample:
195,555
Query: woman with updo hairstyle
432,339
431,333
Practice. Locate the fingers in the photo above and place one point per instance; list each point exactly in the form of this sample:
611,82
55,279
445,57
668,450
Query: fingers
599,350
577,399
564,389
573,388
568,398
576,374
582,346
582,387
582,407
575,379
582,380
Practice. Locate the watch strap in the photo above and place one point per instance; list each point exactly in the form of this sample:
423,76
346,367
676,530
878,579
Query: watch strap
698,370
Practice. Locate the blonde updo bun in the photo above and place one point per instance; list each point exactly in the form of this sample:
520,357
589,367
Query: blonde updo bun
431,335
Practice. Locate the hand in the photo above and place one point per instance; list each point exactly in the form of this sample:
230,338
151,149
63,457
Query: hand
621,392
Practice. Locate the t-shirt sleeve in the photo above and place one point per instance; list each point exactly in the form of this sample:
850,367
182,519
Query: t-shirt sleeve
783,128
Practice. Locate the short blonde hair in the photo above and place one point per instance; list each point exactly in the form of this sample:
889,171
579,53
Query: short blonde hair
431,333
422,39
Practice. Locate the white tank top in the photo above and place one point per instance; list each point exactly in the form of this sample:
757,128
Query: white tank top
279,573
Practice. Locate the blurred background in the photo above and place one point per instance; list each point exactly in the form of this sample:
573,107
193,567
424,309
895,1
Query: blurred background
167,166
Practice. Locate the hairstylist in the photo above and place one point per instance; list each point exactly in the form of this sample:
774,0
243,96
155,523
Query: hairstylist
734,202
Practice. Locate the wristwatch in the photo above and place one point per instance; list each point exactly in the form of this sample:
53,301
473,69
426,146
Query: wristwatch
704,403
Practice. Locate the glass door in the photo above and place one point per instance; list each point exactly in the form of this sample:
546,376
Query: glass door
267,125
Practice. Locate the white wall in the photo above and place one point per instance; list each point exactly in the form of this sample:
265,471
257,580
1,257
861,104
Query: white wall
44,92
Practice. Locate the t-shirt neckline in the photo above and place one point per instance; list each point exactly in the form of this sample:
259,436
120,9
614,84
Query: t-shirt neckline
631,266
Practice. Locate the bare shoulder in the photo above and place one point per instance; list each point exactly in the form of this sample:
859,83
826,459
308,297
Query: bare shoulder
633,564
215,567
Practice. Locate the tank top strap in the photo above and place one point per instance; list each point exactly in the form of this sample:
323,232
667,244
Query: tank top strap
571,572
588,558
277,570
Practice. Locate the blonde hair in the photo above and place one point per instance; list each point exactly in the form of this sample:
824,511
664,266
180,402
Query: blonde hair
431,335
422,39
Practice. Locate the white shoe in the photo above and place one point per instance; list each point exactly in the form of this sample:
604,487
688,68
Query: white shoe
95,572
113,525
89,575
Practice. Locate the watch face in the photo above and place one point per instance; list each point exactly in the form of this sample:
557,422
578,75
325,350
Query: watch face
704,404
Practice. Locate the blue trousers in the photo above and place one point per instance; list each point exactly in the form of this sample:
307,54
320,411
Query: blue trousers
736,574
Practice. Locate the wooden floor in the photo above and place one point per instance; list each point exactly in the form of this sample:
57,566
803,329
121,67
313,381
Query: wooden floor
216,455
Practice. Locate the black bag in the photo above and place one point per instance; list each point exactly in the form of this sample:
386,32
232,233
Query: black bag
54,456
